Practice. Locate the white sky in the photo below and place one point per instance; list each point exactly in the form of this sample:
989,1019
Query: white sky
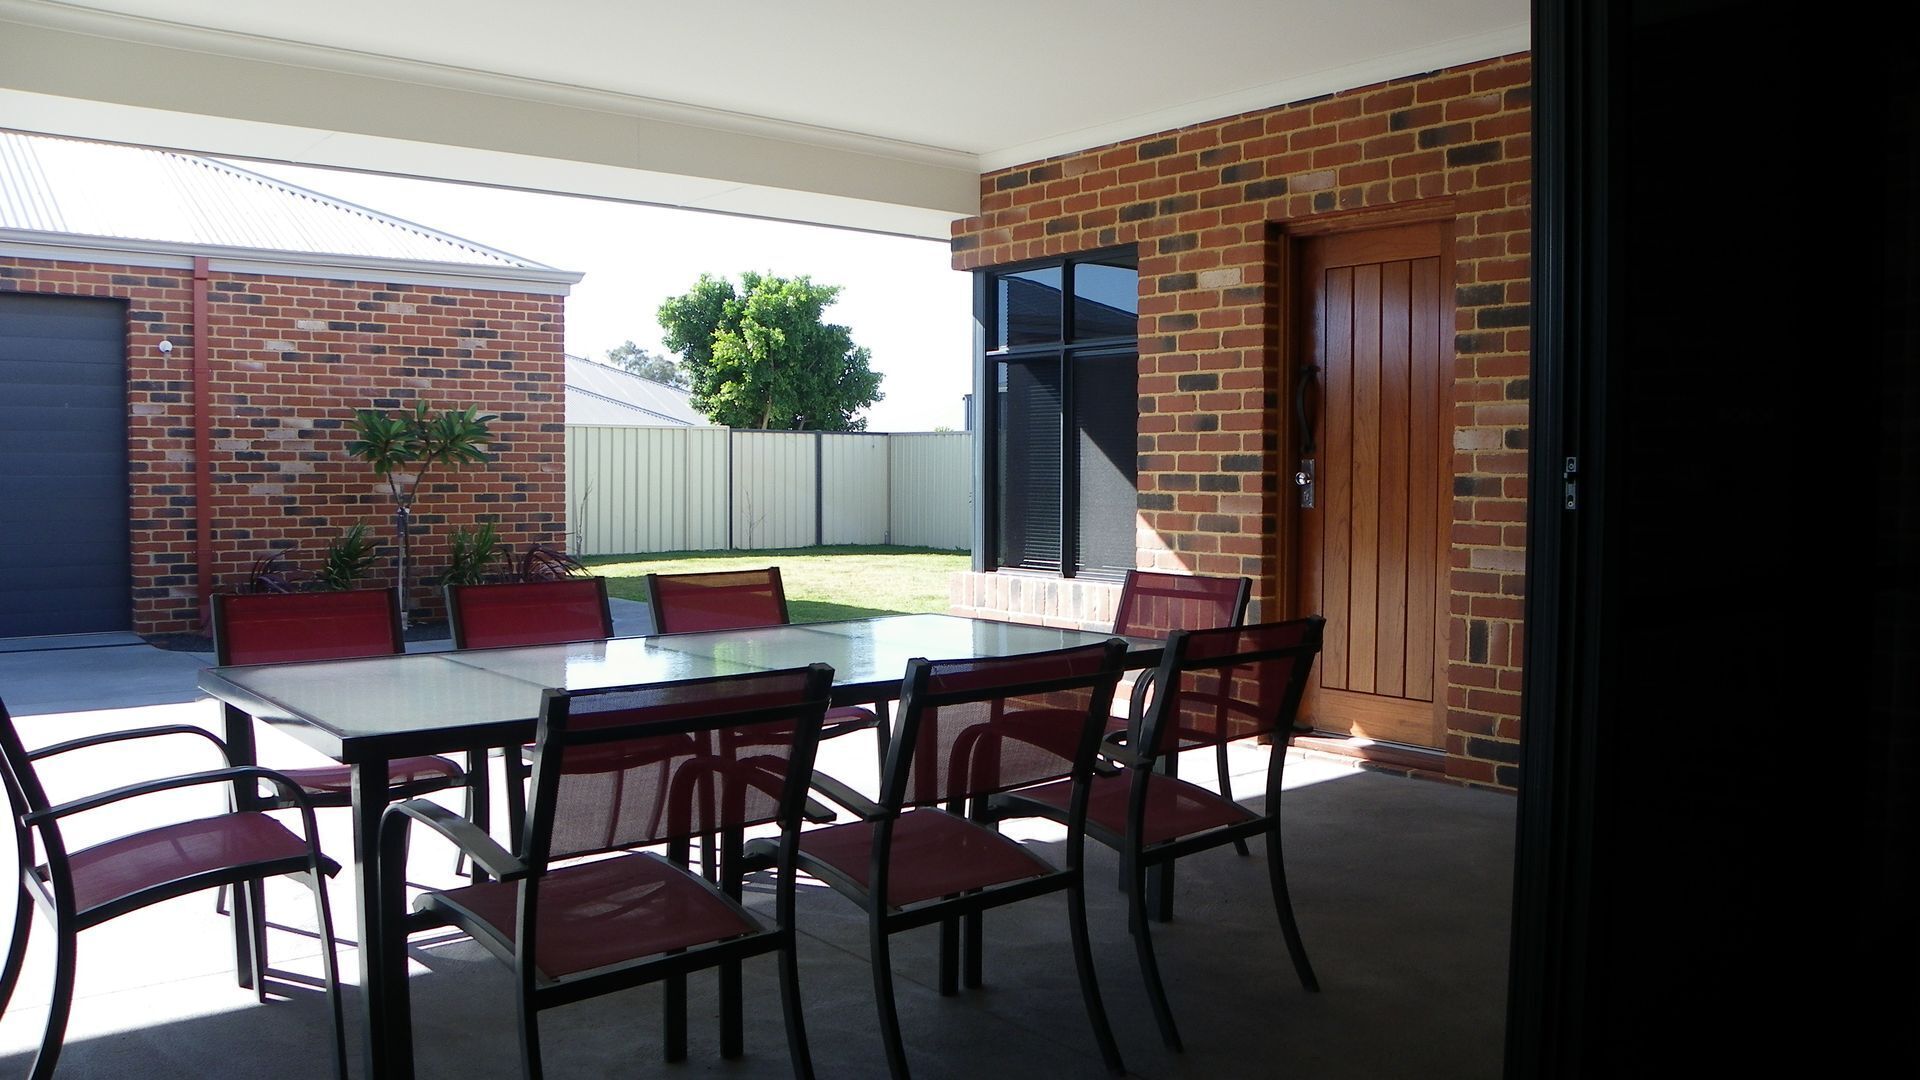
898,296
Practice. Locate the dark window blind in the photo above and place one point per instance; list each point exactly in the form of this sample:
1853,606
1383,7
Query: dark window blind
1029,416
1106,397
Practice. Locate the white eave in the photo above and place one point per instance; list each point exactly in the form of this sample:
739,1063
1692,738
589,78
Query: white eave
29,244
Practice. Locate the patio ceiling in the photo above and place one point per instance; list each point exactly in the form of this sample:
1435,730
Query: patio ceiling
865,113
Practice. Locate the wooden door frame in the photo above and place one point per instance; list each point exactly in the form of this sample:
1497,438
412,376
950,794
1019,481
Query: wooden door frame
1288,243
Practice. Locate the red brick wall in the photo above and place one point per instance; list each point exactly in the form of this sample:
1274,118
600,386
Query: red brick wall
1211,210
291,359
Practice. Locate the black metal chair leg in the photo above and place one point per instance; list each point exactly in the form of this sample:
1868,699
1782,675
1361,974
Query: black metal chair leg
674,1035
973,936
529,1041
883,998
949,957
1089,981
1149,965
515,771
732,1033
1226,790
330,968
64,962
790,995
1283,904
23,916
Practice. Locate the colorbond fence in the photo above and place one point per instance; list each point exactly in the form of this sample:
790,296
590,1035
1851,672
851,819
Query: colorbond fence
640,489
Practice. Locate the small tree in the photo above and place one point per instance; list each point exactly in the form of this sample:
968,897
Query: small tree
417,440
661,369
763,355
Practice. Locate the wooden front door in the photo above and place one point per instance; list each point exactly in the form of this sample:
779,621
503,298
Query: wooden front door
1376,318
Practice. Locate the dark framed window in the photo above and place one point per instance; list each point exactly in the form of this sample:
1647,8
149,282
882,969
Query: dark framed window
1062,434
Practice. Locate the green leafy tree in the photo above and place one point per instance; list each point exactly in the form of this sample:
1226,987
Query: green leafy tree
646,365
404,451
763,355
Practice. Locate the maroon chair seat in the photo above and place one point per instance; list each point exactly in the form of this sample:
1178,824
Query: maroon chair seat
406,777
1212,687
1175,809
594,915
966,730
621,768
85,888
933,854
107,874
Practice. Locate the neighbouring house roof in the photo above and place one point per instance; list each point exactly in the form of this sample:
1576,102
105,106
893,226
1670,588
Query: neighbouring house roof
70,194
602,394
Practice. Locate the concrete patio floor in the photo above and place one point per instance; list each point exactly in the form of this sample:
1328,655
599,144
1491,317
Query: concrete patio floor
1402,889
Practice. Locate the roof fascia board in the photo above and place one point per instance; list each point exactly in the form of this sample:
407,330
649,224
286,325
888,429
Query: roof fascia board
308,97
62,247
1445,54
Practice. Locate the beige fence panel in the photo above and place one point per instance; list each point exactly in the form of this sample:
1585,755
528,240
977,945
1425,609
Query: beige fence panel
931,483
638,489
642,489
773,493
853,489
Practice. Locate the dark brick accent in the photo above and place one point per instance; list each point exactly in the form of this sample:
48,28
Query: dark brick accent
1477,154
1447,135
1199,381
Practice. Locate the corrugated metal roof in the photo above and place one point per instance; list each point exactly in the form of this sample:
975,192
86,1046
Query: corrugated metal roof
71,186
602,394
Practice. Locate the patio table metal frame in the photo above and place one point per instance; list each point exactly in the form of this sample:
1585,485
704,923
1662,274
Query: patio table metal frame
365,712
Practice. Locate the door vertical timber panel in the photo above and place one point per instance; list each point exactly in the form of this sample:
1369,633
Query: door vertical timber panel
1375,319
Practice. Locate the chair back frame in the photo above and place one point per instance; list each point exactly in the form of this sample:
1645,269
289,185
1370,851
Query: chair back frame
459,605
226,608
1175,661
917,698
1140,582
555,732
659,588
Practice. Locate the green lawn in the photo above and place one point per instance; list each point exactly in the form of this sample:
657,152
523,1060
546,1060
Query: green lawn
821,582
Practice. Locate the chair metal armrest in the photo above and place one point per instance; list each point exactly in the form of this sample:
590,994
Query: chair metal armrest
863,808
1117,749
127,735
464,834
818,813
149,787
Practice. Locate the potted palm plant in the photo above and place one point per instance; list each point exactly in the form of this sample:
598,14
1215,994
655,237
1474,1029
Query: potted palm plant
405,448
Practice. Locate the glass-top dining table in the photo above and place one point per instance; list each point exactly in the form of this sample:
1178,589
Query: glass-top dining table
367,712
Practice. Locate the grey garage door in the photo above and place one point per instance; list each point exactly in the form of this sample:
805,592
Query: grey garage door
64,561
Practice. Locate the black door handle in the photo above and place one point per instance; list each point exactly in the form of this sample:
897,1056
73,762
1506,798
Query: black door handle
1301,382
